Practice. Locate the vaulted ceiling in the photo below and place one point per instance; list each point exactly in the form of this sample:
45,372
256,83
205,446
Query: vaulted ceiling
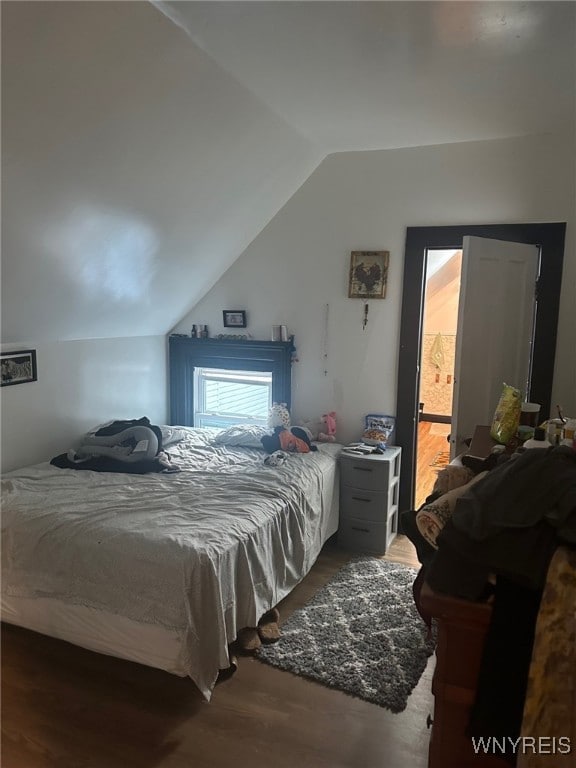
377,75
145,146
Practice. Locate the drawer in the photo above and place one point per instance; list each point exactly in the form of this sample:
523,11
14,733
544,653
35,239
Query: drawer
362,535
362,504
368,475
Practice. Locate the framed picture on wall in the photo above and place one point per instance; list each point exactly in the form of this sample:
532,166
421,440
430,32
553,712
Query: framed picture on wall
18,367
368,274
234,318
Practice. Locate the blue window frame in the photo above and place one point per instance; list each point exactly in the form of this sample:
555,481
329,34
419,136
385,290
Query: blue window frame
187,354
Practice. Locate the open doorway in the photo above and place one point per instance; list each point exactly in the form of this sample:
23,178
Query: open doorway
437,363
550,239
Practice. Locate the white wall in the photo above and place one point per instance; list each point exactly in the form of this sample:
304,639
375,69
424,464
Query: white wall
134,170
365,201
80,384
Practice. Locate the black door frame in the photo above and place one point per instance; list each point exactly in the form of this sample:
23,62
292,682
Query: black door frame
550,239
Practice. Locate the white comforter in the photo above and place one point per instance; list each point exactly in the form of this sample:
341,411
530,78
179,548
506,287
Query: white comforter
204,552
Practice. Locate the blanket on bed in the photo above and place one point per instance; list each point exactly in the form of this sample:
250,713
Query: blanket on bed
206,551
133,446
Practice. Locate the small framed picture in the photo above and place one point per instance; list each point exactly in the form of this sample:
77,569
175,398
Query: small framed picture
368,274
18,367
234,318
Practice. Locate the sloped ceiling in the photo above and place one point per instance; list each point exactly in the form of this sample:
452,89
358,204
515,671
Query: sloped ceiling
135,170
145,146
379,75
442,295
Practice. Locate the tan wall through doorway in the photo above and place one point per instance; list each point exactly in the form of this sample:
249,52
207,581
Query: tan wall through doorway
437,381
440,321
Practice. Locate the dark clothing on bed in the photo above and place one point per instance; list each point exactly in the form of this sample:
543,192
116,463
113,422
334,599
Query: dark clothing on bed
160,463
119,426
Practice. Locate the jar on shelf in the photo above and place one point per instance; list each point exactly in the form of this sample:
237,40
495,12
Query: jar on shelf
570,430
539,440
554,429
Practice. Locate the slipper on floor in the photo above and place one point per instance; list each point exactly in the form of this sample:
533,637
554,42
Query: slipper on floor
248,639
268,627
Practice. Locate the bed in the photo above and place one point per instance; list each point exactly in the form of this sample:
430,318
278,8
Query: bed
164,569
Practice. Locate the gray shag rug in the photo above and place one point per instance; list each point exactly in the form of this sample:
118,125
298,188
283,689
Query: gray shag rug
361,634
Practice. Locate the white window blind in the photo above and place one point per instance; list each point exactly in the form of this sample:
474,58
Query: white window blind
225,397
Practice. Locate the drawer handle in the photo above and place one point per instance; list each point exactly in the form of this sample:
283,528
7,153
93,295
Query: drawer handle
357,498
363,469
362,530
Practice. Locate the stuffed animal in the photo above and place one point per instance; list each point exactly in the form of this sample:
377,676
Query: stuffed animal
293,440
330,435
279,416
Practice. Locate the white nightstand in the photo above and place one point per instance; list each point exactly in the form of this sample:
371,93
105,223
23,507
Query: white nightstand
369,500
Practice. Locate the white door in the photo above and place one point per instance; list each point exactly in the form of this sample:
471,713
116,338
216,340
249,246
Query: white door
496,315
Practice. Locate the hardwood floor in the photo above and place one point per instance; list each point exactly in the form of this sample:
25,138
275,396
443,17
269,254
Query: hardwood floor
431,441
64,707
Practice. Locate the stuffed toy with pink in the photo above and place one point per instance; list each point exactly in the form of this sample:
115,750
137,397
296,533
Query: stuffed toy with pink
329,436
292,440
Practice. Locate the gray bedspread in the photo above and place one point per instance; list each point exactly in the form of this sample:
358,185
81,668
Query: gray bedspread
205,551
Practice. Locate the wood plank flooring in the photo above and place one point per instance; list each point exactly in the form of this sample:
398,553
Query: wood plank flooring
64,707
429,445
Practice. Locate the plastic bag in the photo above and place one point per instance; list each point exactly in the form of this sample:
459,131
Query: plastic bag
379,429
507,415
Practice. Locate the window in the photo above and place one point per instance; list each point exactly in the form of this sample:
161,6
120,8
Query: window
224,397
262,368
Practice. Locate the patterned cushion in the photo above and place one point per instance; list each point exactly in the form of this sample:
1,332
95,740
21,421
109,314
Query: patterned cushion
431,518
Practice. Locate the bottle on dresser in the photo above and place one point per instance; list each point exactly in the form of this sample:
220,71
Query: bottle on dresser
539,440
569,433
554,429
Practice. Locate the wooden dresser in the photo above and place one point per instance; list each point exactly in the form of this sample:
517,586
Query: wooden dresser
462,628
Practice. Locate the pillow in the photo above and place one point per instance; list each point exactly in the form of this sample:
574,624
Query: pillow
242,436
171,435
